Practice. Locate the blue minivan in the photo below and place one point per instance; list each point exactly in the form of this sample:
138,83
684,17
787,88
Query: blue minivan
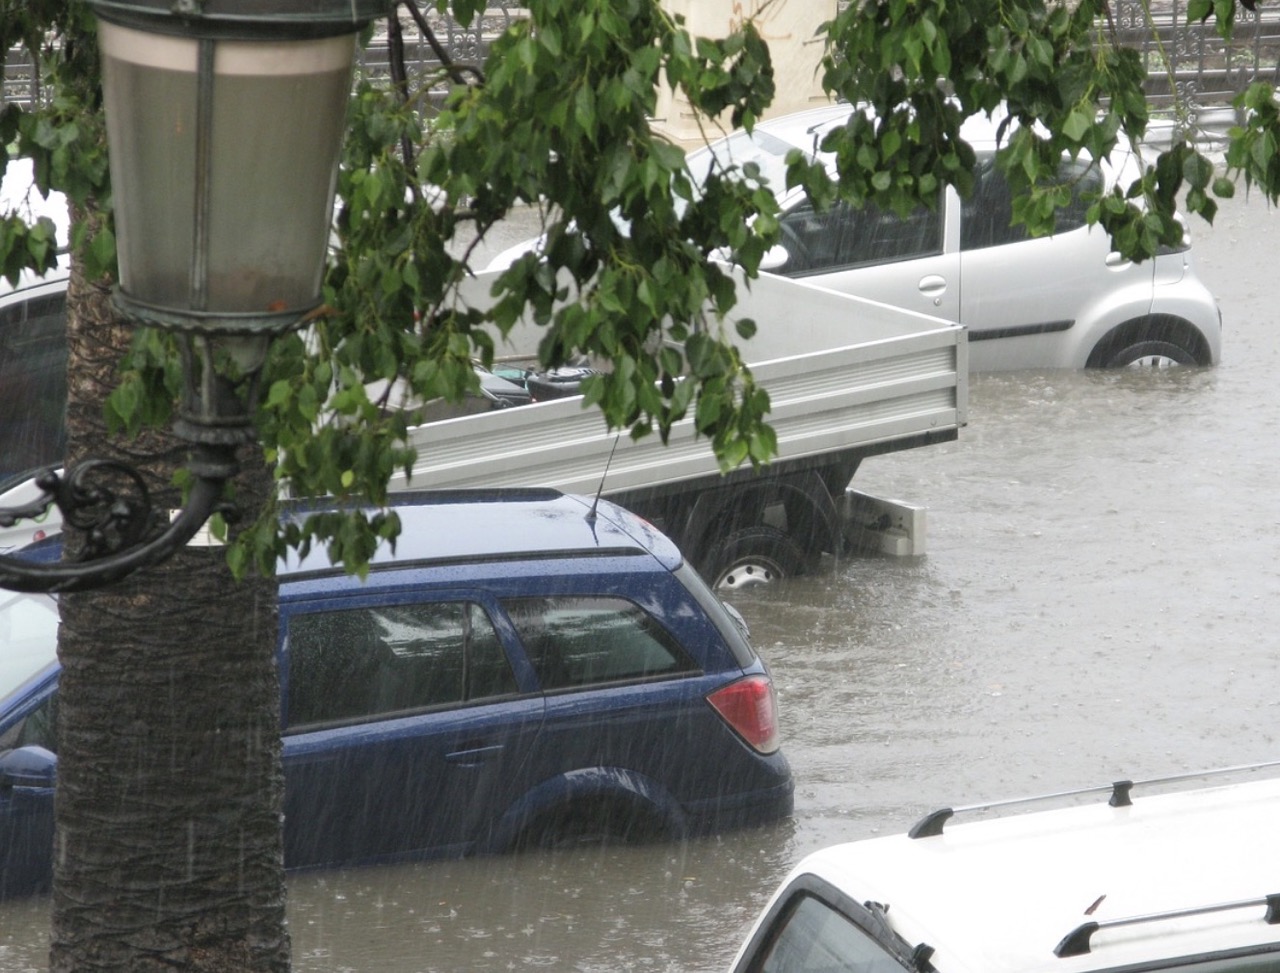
528,668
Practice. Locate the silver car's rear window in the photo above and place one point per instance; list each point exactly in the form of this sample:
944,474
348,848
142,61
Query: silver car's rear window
741,149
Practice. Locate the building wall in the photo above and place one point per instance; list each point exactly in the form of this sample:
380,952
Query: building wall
791,29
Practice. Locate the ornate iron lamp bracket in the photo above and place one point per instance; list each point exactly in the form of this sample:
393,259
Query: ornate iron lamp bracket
110,504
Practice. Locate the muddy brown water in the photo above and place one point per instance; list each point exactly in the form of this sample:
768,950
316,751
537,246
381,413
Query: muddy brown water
1098,600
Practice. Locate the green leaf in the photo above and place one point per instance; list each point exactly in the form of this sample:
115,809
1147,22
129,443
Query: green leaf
1199,10
278,395
1077,124
100,258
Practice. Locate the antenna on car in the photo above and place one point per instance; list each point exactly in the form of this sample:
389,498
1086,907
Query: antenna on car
591,514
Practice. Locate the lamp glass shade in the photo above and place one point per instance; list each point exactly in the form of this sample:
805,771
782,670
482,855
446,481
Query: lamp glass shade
234,219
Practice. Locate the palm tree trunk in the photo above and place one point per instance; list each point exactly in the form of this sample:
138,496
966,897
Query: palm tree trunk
168,850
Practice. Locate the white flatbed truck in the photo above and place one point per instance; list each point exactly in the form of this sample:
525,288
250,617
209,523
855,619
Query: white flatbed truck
847,379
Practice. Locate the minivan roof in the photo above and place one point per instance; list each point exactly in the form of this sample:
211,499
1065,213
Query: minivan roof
998,896
471,525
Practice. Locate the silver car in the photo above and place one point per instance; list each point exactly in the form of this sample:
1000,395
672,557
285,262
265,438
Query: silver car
1064,301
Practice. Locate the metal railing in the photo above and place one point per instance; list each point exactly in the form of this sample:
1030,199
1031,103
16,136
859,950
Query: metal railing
1192,73
467,45
463,46
1189,67
21,82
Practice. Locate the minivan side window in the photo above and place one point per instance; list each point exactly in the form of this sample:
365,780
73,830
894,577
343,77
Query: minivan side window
33,384
581,641
348,666
986,217
845,237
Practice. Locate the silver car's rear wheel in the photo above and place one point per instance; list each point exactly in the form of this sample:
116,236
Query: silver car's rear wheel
1150,354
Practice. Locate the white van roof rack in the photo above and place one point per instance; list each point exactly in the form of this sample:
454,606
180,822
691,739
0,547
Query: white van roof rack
932,823
1076,942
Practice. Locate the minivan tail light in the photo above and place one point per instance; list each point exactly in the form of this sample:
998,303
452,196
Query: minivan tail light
750,707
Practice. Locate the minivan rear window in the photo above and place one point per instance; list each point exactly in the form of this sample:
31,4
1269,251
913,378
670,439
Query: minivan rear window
729,623
576,641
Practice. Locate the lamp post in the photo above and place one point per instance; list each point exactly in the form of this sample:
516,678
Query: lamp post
224,125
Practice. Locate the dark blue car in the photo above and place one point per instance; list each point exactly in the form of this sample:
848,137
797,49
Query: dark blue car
526,669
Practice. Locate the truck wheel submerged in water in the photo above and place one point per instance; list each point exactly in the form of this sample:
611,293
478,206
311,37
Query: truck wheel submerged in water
760,530
756,555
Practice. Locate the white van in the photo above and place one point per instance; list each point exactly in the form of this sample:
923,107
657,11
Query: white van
1133,881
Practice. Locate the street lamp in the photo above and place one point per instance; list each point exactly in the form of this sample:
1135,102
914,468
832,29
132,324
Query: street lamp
224,124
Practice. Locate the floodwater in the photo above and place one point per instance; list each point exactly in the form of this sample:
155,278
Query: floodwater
1098,601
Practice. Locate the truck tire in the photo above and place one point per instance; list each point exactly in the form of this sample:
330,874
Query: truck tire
754,556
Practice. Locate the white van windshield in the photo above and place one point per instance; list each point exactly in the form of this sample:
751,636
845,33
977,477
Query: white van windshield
28,638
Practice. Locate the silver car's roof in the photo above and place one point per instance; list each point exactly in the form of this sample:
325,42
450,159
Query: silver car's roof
799,128
805,129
